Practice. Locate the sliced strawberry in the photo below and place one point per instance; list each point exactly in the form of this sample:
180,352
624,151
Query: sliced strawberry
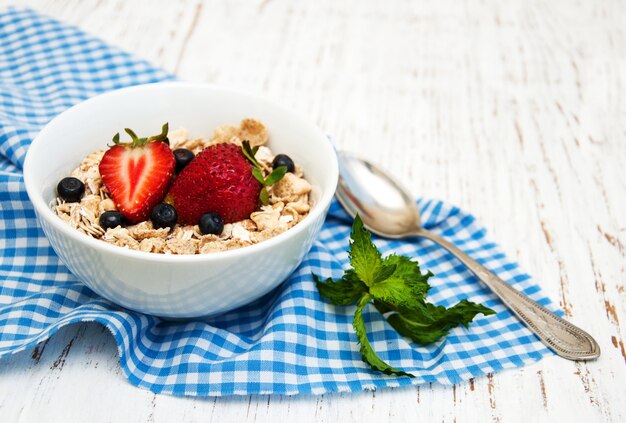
138,174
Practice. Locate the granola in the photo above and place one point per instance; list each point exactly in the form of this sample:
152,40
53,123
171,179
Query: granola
288,204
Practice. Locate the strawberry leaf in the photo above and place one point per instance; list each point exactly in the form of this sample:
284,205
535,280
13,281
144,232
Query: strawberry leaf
162,136
132,134
116,138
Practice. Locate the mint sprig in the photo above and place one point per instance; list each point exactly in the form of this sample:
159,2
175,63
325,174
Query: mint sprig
396,286
257,171
250,152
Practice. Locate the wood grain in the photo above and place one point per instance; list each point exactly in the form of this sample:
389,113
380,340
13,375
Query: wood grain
513,110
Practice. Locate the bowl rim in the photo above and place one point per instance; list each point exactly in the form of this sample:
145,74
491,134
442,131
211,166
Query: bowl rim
44,212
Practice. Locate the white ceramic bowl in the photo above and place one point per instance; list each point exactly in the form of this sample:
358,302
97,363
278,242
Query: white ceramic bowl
176,286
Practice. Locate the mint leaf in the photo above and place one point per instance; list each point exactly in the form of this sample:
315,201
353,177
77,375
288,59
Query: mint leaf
384,272
406,287
258,175
382,307
249,153
264,196
368,353
276,175
429,323
396,293
397,286
364,256
345,291
410,272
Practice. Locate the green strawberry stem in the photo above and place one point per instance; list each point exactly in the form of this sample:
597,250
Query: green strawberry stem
134,137
140,142
162,136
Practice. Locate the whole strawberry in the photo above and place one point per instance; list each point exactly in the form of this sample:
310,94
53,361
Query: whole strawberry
137,174
219,180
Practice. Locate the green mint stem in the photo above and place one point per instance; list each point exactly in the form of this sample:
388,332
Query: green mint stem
367,352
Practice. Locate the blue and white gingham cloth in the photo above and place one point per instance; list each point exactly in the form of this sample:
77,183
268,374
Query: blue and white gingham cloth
288,342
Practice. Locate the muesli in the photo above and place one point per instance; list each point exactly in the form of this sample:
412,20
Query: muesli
173,194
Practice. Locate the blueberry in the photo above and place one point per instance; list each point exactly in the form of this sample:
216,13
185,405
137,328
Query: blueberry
211,223
70,189
111,219
183,157
163,216
283,160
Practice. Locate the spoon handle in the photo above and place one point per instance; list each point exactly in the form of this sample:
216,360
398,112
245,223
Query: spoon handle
565,339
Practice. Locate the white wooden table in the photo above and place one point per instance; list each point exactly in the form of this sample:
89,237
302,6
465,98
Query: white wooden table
513,110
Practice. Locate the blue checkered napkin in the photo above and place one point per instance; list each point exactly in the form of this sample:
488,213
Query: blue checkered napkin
289,341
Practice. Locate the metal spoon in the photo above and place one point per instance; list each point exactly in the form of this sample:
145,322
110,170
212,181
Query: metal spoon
389,211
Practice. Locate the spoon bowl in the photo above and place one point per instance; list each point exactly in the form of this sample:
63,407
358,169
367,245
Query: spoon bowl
388,210
382,202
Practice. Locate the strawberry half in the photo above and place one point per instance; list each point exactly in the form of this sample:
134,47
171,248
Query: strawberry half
138,174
